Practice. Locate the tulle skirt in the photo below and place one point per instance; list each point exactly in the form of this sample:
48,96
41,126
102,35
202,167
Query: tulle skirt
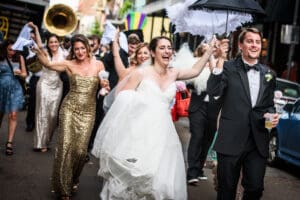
139,150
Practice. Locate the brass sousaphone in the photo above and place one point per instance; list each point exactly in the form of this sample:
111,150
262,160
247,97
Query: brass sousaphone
60,19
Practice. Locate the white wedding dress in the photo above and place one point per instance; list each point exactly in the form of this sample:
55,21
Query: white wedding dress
139,150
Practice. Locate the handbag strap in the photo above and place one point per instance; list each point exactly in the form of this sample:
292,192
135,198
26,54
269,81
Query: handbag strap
10,66
186,94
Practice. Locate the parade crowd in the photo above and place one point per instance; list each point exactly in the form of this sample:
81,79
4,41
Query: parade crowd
112,98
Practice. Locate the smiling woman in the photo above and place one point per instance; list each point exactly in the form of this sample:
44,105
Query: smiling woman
77,113
48,94
147,161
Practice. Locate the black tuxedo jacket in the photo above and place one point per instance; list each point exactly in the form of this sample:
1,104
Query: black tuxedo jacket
238,118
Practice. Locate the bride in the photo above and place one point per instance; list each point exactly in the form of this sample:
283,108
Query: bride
137,144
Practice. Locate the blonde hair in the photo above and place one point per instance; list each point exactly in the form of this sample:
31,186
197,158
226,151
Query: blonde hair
133,59
199,51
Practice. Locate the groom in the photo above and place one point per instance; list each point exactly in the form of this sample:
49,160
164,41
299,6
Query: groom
247,90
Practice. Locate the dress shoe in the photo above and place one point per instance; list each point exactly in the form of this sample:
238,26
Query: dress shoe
193,181
202,177
87,158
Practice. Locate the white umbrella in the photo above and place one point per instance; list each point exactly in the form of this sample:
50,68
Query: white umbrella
205,22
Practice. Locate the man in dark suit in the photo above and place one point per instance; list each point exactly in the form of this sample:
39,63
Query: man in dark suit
247,90
108,59
34,76
203,125
203,112
94,41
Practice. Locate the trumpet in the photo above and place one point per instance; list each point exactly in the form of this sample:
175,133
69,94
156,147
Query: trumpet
60,19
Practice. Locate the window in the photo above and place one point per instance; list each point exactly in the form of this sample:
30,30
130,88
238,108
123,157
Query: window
288,88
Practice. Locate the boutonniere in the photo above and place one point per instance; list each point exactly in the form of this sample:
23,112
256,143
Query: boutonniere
268,76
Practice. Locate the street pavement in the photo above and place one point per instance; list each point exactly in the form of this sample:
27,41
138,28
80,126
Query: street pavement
27,174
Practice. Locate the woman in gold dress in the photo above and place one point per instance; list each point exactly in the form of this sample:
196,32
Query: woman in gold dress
77,113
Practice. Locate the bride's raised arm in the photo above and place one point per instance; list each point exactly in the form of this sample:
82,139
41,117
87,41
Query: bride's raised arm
119,66
133,81
184,74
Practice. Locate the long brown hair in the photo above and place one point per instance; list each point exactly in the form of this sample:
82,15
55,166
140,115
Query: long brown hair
50,35
154,42
79,38
3,48
3,51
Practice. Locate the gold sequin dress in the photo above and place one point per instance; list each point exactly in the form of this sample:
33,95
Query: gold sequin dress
76,119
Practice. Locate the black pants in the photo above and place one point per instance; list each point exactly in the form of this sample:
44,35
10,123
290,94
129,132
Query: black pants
202,130
66,84
253,167
30,118
98,119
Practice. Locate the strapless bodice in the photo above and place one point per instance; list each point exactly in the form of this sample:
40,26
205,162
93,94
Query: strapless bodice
151,90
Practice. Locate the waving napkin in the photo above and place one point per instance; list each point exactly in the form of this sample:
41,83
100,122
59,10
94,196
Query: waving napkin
109,35
24,39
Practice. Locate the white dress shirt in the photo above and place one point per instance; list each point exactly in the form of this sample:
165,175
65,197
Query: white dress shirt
254,82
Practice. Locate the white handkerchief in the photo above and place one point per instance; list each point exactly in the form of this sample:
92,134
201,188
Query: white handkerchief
109,35
23,39
103,74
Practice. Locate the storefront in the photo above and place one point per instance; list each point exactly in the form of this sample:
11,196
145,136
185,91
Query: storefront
15,14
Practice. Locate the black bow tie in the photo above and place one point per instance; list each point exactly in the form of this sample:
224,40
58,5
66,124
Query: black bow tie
248,67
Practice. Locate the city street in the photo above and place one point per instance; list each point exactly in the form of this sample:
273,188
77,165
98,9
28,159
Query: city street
243,53
26,174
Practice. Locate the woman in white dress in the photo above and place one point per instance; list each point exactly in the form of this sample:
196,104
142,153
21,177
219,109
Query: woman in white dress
48,94
139,150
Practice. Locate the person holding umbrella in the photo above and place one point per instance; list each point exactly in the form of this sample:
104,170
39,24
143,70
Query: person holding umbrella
247,91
